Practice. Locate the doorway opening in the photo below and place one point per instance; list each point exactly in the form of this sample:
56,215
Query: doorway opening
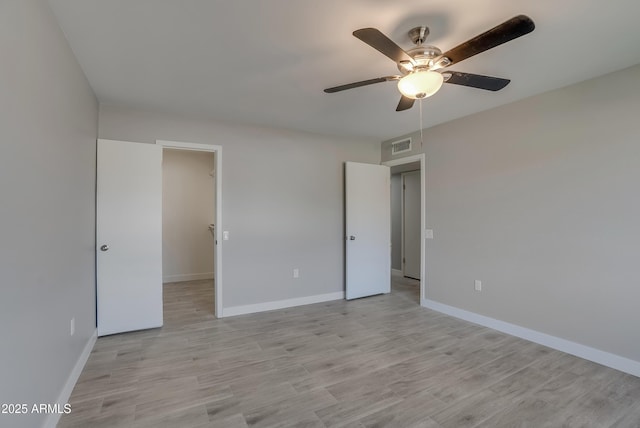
191,217
408,226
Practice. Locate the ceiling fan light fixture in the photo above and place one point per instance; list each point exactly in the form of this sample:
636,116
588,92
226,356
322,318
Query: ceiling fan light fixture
420,84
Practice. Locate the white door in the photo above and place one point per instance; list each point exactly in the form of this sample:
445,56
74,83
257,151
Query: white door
128,236
411,224
368,228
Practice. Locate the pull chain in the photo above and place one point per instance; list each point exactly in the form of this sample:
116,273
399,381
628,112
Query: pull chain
421,139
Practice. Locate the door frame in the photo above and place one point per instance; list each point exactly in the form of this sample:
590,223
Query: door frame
402,161
217,271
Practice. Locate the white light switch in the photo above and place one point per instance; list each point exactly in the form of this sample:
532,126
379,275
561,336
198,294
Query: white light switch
477,285
225,235
428,234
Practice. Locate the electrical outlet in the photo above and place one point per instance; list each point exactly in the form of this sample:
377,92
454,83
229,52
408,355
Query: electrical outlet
477,285
296,273
72,327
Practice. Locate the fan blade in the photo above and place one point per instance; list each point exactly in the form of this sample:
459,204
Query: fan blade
383,44
475,80
361,83
405,103
508,30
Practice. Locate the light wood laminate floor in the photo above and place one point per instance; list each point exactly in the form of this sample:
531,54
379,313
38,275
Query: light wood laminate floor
382,361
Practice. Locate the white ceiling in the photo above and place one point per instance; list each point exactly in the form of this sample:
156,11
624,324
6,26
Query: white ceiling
267,62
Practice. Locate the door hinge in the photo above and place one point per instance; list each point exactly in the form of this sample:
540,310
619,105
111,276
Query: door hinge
404,260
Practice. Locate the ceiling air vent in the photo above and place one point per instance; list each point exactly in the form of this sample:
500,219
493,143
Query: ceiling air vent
401,146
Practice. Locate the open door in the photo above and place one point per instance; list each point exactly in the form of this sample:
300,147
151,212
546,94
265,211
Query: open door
411,235
128,236
368,229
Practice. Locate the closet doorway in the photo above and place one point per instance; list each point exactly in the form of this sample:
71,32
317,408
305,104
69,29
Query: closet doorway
190,224
408,224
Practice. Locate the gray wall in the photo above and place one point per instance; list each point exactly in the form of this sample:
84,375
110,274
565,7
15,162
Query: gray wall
539,200
396,221
48,128
282,201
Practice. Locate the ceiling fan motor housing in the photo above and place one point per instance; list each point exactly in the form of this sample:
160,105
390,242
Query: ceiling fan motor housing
423,55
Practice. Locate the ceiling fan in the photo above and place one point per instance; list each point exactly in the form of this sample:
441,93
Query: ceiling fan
423,67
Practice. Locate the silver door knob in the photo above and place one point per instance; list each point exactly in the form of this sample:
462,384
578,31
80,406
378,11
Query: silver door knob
352,238
104,248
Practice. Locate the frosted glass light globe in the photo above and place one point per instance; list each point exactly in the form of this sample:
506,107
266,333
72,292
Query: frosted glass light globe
420,84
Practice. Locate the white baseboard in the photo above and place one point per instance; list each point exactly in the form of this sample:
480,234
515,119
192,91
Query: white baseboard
187,277
281,304
597,356
396,272
53,418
